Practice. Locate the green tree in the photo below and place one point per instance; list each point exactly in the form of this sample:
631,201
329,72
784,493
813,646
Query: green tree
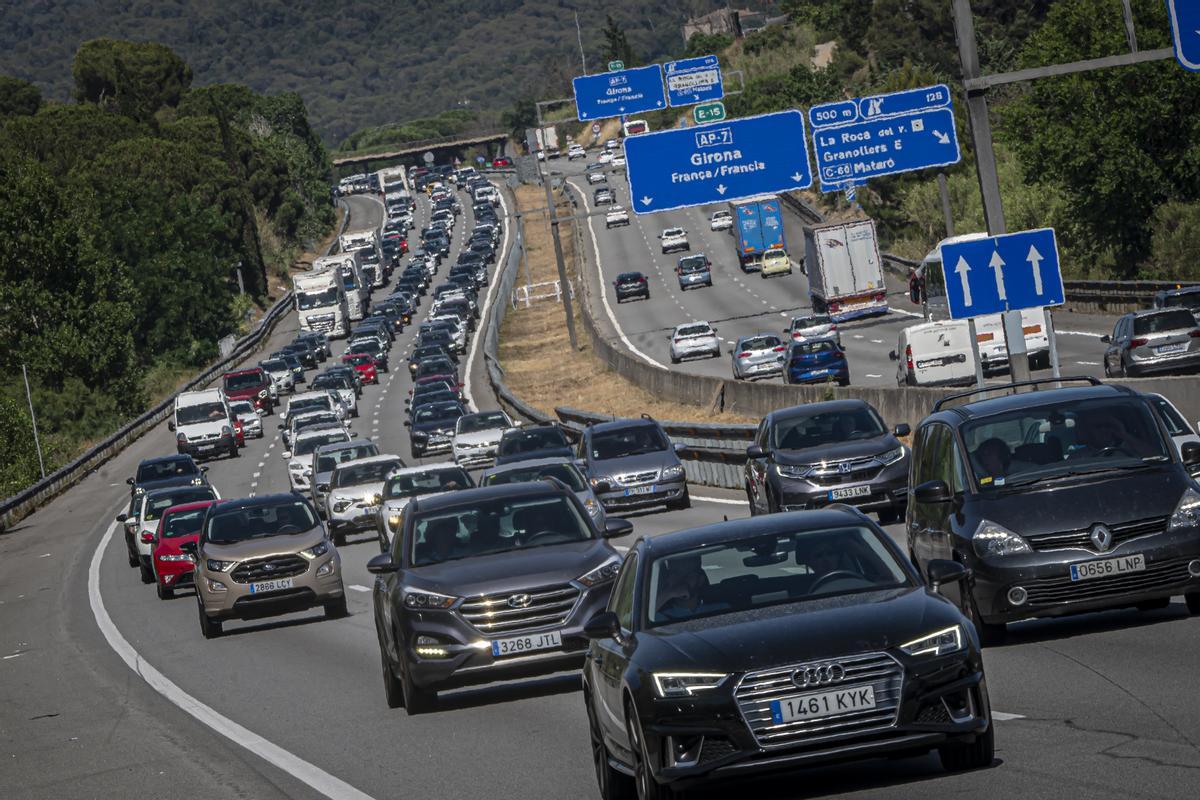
703,44
616,44
522,115
1175,240
18,97
137,78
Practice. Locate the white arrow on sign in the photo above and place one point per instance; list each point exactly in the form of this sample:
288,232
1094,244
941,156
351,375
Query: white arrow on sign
721,189
961,269
997,264
1035,260
647,200
797,177
943,138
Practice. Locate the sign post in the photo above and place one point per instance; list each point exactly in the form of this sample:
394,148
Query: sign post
1185,31
694,80
615,94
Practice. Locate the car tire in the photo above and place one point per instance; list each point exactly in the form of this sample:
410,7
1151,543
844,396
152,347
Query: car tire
211,628
647,788
674,360
233,450
976,755
336,609
772,503
990,635
164,592
889,516
146,573
339,539
393,692
1193,602
416,699
134,561
843,381
682,503
613,784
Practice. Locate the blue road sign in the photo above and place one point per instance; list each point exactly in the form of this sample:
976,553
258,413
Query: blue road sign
885,146
881,105
1002,273
1185,30
615,94
833,113
694,80
717,163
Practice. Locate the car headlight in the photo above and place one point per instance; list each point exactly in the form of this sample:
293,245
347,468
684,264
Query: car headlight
174,557
341,504
793,470
992,539
215,565
195,482
686,684
316,551
1187,511
599,479
417,599
262,393
891,456
939,643
393,521
671,473
420,434
593,508
604,573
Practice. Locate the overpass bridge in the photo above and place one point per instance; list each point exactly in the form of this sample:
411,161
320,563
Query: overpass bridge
457,141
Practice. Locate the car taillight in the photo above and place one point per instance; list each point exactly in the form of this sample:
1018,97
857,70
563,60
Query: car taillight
908,356
747,353
1195,333
1138,342
835,307
779,349
880,297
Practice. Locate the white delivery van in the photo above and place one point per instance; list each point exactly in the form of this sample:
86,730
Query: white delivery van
935,354
993,352
203,424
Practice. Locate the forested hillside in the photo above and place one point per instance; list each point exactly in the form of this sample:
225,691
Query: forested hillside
123,217
356,64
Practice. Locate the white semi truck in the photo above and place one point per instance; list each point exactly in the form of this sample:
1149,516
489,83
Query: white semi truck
321,303
353,281
845,272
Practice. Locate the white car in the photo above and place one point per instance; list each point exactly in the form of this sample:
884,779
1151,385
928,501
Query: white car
611,144
300,456
355,494
249,416
597,177
402,485
576,151
476,437
721,221
618,160
616,216
605,157
674,239
694,339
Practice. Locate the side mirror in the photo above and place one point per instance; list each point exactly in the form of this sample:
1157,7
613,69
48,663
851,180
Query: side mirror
903,429
407,423
382,564
941,570
148,537
286,454
892,356
1190,453
129,481
679,447
280,426
204,468
935,491
603,625
1106,339
122,517
322,487
615,526
171,425
755,451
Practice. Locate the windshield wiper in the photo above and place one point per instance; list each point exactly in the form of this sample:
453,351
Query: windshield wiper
1078,472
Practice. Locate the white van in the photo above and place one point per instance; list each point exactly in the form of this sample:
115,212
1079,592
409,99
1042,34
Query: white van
935,354
989,330
487,193
203,424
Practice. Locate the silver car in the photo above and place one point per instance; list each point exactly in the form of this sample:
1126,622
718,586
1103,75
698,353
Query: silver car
402,485
476,437
694,339
300,457
560,469
325,459
355,493
758,356
813,326
1153,343
249,417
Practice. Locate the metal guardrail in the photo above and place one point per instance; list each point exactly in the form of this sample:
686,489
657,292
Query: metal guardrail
17,507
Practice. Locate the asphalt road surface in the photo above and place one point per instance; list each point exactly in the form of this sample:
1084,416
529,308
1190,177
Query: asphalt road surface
1100,706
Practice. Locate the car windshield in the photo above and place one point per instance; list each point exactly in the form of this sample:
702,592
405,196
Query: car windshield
242,408
164,470
496,526
327,462
319,418
1062,439
309,444
414,484
692,331
672,232
761,343
359,359
813,348
828,427
183,523
200,412
1163,321
1176,424
485,421
370,472
530,441
631,441
693,264
275,365
158,502
348,279
228,526
438,366
1182,300
247,380
803,323
769,570
309,404
567,473
309,300
432,412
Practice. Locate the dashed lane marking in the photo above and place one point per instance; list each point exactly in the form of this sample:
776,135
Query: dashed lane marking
358,588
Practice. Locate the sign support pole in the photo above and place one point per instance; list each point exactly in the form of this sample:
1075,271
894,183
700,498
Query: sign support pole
1053,339
975,351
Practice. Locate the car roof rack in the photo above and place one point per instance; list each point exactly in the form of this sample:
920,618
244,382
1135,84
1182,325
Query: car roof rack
1036,383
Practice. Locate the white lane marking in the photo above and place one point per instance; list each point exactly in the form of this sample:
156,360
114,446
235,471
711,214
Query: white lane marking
358,588
870,375
1004,716
859,336
14,655
1088,363
262,464
906,313
1078,333
487,311
311,775
877,341
722,500
256,475
45,555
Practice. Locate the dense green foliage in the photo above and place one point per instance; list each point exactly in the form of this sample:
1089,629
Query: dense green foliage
122,220
416,130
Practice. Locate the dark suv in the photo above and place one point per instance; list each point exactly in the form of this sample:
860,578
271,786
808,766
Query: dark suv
1059,500
632,464
631,284
836,452
488,584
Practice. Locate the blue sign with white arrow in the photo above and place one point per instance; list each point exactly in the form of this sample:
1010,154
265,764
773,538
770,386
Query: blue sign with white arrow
694,80
1002,273
880,105
717,163
885,146
614,94
1185,30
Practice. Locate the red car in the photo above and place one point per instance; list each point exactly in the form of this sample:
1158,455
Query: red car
178,525
239,432
364,365
501,162
252,384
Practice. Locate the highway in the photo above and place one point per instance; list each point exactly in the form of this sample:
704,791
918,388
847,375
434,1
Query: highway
740,304
1100,706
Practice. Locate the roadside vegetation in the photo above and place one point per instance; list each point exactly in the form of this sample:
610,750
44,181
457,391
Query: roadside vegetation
124,217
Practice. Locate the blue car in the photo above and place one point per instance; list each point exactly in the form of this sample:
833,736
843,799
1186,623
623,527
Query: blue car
816,361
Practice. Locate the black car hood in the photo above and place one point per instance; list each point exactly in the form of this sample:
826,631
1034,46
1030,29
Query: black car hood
1113,498
794,632
513,571
837,451
550,452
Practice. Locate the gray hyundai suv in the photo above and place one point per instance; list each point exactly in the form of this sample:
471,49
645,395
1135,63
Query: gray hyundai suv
632,464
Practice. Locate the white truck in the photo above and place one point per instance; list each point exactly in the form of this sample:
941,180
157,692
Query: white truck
353,283
321,303
547,142
845,272
365,243
393,179
359,240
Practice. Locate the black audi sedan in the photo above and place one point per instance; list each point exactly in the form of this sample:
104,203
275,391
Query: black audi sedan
1060,500
488,584
775,643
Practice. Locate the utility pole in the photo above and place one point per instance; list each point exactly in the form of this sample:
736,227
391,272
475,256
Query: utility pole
568,306
579,37
37,443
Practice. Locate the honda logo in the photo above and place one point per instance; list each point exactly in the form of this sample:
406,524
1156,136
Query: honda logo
520,601
844,468
819,675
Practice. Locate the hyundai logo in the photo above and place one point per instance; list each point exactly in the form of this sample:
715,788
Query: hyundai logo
819,675
1101,537
268,567
520,601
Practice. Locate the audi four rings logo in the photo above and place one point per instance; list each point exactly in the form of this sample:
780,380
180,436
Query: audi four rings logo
819,675
520,600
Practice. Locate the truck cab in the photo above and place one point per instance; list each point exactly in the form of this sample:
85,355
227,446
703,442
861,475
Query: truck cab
321,303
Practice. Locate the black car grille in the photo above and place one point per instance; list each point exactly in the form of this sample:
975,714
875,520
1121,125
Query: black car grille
934,714
548,606
1056,591
270,568
1081,539
853,476
715,748
635,478
757,690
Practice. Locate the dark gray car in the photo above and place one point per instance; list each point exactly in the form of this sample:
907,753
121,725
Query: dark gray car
632,464
836,452
488,584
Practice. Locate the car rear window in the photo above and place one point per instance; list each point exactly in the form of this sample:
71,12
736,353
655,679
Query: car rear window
688,331
183,523
496,526
162,470
812,348
761,343
693,264
629,277
157,503
1163,321
1182,300
800,323
228,526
